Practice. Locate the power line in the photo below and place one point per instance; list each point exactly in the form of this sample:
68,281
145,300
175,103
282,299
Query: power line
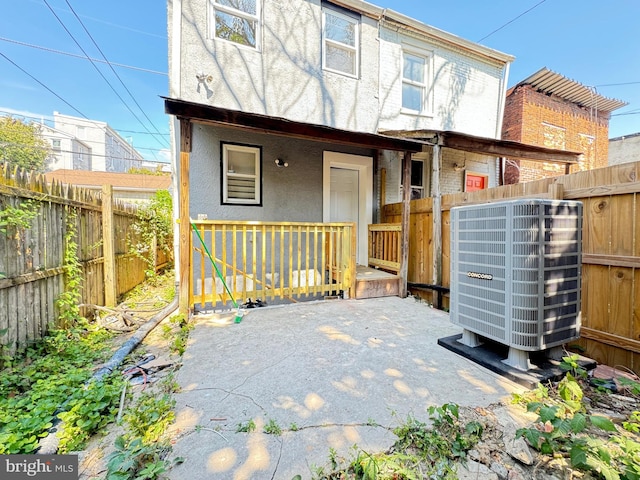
113,70
512,20
617,84
75,55
53,151
95,66
42,84
59,122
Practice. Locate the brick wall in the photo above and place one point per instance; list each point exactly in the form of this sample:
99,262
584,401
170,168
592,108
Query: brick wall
535,118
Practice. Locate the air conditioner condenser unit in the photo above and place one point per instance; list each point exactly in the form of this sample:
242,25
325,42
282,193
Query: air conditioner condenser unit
515,274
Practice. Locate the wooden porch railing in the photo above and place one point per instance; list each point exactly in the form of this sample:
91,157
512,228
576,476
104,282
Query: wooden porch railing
384,246
270,261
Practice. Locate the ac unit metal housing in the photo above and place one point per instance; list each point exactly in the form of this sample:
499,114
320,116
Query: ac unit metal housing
515,274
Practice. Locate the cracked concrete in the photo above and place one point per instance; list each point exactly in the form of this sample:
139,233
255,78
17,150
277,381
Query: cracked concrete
330,374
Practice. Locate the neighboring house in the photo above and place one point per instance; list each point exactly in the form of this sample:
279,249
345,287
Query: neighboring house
624,149
550,110
82,144
315,111
127,187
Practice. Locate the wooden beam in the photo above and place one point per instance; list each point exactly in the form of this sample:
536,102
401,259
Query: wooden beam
406,218
280,126
108,247
184,248
603,190
504,148
610,339
611,260
436,194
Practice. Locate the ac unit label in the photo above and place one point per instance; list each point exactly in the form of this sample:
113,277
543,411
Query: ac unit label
481,276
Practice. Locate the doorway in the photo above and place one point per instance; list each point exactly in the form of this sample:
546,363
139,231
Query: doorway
348,195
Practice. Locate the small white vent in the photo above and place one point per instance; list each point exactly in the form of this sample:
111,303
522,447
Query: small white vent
516,271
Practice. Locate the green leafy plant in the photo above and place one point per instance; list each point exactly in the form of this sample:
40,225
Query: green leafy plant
178,331
421,451
272,428
590,442
294,427
18,217
150,416
133,459
246,427
48,379
69,300
152,229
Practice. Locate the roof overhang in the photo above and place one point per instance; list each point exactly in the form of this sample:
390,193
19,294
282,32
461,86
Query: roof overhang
489,146
207,114
552,83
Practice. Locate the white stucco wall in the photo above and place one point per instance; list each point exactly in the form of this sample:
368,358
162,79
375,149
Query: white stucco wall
284,78
624,149
465,92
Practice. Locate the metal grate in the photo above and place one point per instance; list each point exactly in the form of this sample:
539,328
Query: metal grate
516,270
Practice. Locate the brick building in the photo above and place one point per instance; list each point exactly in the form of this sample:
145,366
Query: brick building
550,110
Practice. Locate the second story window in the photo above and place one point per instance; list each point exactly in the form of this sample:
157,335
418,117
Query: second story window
415,71
237,21
340,42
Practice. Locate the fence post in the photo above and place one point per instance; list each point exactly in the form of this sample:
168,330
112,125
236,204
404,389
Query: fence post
108,247
556,191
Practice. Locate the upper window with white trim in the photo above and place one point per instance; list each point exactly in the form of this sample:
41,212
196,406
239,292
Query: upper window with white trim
237,21
415,82
340,42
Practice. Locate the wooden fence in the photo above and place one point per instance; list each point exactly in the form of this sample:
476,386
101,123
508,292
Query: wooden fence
32,256
269,261
610,331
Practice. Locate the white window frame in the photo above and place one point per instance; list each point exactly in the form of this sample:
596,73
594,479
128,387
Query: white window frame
228,173
327,41
426,106
215,6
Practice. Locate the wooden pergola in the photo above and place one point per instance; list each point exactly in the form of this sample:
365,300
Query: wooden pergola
408,142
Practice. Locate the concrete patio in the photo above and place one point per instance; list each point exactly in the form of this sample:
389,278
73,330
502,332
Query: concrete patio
330,374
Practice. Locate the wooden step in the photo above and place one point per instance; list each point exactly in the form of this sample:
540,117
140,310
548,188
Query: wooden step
378,287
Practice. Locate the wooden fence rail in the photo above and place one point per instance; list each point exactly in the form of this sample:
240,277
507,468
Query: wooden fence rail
611,251
385,246
32,256
269,261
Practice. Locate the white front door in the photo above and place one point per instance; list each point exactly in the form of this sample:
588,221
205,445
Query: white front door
348,195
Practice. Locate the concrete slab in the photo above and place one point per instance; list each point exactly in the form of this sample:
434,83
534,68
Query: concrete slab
330,374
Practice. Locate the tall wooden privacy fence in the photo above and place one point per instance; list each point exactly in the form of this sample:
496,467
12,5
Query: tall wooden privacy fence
37,223
611,251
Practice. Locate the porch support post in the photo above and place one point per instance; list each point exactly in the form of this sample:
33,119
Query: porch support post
185,224
436,194
406,215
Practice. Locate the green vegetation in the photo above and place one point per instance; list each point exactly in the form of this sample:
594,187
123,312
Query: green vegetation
420,451
153,229
590,443
69,299
247,427
21,145
272,428
178,332
50,380
141,452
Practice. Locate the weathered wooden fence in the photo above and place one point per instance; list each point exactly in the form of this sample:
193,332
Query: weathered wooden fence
611,251
32,254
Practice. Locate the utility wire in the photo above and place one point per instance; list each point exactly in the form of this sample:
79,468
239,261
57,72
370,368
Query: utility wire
42,84
512,20
75,55
114,71
58,122
617,84
96,67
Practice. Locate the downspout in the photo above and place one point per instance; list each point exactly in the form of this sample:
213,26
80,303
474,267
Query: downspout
49,444
175,61
503,100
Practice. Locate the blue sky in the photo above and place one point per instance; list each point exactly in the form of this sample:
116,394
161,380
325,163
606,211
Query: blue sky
593,42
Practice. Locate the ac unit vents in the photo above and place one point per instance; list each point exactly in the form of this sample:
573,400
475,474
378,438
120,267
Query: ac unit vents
515,274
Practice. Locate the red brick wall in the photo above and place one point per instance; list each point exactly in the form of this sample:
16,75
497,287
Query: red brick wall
526,113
